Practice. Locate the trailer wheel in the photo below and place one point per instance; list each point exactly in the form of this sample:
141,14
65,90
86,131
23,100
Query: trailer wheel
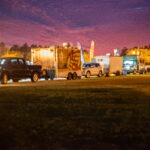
79,77
52,77
4,78
88,74
35,77
74,77
107,74
69,76
118,73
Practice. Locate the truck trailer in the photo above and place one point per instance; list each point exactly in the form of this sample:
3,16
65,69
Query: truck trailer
58,61
115,65
112,65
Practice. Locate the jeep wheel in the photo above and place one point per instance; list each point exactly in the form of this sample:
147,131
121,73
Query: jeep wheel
35,77
88,74
4,79
46,78
15,80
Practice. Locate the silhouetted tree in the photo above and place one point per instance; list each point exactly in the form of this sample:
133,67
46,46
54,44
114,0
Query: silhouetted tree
15,48
33,46
146,47
135,47
25,49
3,49
124,51
39,46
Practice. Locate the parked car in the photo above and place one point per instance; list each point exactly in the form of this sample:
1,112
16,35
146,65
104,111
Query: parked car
16,68
92,69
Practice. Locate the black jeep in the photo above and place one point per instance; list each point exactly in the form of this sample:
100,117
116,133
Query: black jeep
16,69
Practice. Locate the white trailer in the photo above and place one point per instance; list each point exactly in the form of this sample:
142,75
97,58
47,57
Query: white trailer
58,61
115,65
112,65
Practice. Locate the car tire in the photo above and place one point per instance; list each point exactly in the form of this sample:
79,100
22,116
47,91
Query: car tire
100,74
88,74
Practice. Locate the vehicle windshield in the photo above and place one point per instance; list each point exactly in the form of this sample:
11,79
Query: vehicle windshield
84,65
2,61
90,65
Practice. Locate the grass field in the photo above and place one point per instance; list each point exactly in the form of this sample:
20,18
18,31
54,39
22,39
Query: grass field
88,114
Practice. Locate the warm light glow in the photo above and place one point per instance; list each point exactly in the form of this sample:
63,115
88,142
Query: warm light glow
107,54
46,53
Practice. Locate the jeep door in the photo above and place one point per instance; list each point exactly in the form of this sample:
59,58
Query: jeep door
22,68
13,68
17,68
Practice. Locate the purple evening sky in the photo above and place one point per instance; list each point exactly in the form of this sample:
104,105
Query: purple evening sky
110,23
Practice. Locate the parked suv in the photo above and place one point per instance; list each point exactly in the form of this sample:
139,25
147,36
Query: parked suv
92,69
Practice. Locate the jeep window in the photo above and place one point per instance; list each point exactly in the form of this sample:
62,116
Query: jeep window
92,65
84,65
3,61
13,61
21,62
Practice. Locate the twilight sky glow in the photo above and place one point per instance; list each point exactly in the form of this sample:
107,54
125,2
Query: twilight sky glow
110,23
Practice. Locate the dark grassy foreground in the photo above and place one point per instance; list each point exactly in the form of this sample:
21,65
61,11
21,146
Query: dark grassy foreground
101,113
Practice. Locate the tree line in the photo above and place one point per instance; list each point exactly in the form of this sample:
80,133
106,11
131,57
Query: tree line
16,50
20,51
24,50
